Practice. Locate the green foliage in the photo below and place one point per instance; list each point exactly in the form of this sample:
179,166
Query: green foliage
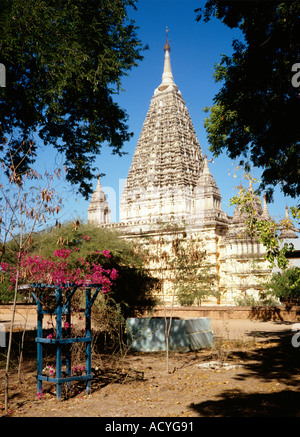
276,251
87,238
251,301
295,211
193,289
182,261
285,285
194,279
6,295
267,231
255,113
64,62
132,287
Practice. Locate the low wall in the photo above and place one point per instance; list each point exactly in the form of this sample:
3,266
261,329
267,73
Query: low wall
30,309
284,313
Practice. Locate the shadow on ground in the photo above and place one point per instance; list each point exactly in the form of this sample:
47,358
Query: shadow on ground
277,362
238,404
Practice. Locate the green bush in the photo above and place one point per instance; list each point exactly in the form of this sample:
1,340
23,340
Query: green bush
132,287
6,295
285,285
251,301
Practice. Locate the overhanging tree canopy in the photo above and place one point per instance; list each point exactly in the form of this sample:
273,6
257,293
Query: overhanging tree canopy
64,62
256,111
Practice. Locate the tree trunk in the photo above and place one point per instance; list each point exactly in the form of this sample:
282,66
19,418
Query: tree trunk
6,377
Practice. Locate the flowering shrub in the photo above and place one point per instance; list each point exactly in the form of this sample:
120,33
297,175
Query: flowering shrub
63,270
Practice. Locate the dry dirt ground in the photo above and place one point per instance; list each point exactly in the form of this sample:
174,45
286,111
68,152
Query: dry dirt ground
253,370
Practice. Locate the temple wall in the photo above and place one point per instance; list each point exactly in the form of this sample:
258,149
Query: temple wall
239,265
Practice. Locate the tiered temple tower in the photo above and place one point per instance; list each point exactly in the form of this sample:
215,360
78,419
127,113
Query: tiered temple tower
98,210
169,181
167,161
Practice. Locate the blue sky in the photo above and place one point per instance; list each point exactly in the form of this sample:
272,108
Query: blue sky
195,48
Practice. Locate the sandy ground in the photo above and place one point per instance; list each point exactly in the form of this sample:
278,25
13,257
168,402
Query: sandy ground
247,329
262,379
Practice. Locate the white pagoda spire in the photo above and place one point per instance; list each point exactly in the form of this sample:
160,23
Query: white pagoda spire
167,160
265,214
207,194
288,229
167,76
98,210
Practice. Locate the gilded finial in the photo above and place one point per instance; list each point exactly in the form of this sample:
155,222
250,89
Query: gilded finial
167,45
99,180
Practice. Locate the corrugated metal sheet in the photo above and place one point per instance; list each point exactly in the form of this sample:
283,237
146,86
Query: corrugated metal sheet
148,334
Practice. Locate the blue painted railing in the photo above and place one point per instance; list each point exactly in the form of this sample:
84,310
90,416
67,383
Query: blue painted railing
68,340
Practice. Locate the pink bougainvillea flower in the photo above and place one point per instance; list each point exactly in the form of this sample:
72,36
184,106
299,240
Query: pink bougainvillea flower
62,253
61,271
53,335
106,253
114,274
4,266
40,394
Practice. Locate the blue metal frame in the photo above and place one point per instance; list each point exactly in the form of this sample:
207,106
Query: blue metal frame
68,340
